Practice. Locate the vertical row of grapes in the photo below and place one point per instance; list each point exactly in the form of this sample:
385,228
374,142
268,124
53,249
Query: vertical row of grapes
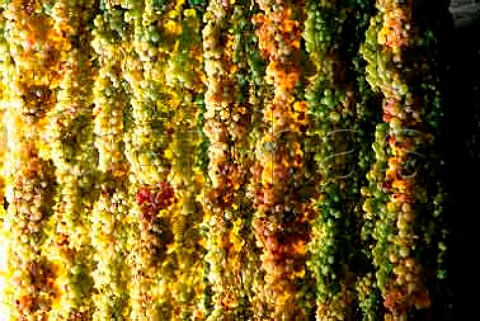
226,125
69,145
281,221
182,268
110,212
255,94
34,48
151,196
405,194
340,126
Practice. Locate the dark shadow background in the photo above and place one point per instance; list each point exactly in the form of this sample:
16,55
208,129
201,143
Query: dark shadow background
462,150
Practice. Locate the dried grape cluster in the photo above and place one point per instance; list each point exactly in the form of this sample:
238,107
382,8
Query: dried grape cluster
222,160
